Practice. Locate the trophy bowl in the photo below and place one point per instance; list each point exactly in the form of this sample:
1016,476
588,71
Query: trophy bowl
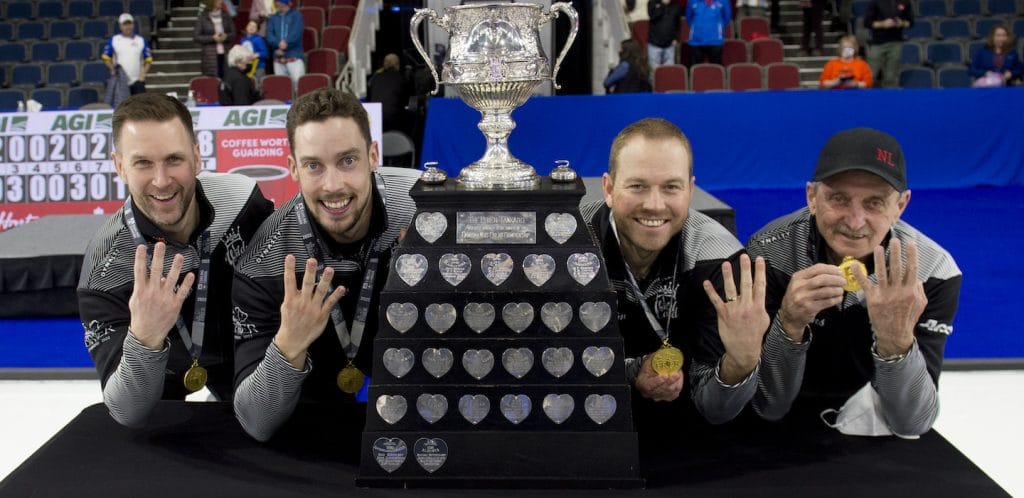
495,61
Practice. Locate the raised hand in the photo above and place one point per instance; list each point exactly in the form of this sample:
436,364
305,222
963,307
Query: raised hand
156,299
742,319
897,301
656,386
810,290
305,310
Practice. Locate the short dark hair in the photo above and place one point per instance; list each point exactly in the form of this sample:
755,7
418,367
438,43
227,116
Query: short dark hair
322,104
652,129
155,107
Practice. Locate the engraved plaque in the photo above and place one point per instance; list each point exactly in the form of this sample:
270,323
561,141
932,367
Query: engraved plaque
595,315
518,316
496,227
431,453
411,268
557,361
432,406
478,363
538,268
556,316
431,226
389,453
474,408
600,407
437,361
391,408
598,360
399,361
440,317
583,267
515,407
454,267
558,407
560,226
517,362
478,316
496,267
402,316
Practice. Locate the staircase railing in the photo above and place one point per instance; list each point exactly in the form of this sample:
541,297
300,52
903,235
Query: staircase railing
361,44
609,29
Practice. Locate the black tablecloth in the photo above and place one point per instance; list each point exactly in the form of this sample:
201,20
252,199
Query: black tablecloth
198,449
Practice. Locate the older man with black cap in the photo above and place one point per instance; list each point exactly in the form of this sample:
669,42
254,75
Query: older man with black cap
861,302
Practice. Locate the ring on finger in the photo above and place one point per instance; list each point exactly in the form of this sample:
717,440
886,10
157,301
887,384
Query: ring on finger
730,299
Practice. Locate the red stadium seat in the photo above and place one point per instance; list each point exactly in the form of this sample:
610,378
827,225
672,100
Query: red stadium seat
640,33
752,26
744,76
310,39
312,81
670,77
323,60
323,4
277,87
342,15
734,52
205,89
313,17
704,77
766,51
782,76
336,37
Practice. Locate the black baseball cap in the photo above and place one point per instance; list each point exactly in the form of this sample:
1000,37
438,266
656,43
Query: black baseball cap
865,149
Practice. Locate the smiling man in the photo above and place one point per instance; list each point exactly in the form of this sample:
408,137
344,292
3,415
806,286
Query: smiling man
837,334
151,333
307,333
662,258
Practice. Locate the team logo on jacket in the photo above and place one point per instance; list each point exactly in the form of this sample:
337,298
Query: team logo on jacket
243,329
234,245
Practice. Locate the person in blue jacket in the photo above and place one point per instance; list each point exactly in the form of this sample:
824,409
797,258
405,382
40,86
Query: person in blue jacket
708,20
997,57
284,36
258,45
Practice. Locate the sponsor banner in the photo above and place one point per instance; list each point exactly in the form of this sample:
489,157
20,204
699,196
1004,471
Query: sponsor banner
59,162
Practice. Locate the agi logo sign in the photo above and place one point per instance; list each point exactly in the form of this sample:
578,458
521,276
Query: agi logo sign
13,123
256,117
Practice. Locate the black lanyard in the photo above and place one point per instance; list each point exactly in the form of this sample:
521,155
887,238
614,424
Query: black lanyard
663,332
349,340
194,341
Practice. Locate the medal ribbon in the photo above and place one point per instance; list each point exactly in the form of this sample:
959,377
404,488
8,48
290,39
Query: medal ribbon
349,340
194,341
663,332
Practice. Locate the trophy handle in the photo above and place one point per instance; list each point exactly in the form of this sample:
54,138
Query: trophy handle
574,19
414,25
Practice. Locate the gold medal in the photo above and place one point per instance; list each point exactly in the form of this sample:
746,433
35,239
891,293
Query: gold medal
667,359
350,379
195,376
852,285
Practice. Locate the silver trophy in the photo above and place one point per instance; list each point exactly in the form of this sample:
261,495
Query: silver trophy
495,60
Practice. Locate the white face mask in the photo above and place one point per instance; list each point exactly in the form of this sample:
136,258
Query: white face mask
847,52
861,415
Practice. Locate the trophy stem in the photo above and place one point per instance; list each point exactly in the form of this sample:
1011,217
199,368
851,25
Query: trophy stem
498,168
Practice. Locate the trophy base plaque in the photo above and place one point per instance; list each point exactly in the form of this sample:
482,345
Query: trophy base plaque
498,361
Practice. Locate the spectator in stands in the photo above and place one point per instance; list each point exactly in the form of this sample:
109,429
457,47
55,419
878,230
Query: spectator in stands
636,10
237,88
347,217
284,36
887,19
131,52
258,46
997,63
752,8
839,337
812,12
140,310
632,75
665,22
708,21
847,70
213,32
389,87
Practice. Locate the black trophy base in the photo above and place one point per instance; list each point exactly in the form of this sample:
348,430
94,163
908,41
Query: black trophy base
576,460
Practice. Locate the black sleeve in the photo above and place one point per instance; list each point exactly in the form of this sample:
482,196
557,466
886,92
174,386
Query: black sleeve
870,15
105,318
257,316
936,322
